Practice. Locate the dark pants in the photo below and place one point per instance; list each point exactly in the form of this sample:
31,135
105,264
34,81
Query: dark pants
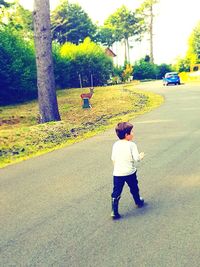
132,182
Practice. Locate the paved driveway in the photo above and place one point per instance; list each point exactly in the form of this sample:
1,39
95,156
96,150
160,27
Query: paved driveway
55,209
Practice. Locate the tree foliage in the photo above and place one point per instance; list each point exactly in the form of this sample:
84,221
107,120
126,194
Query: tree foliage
18,18
146,6
17,68
21,19
144,69
105,36
70,23
83,60
162,69
182,64
124,24
193,53
4,3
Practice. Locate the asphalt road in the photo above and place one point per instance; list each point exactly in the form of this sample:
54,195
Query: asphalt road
55,209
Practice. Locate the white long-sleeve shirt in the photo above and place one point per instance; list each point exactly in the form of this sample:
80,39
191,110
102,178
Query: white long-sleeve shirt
124,154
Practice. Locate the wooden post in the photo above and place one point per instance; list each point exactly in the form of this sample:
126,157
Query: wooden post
91,81
80,80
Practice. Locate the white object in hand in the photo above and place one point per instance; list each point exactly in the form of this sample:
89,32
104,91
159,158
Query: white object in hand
141,155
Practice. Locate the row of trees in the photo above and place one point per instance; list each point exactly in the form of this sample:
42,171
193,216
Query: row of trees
70,23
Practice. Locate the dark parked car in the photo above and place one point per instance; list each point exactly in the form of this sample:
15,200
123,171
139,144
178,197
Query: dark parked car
171,78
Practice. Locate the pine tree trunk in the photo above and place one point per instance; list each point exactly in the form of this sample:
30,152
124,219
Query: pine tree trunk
128,50
48,105
151,34
125,51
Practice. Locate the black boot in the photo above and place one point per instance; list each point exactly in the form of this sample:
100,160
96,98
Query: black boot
115,214
140,203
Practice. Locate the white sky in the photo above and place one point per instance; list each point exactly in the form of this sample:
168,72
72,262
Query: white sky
174,23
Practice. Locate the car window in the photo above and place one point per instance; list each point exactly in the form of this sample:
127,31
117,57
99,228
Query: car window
171,75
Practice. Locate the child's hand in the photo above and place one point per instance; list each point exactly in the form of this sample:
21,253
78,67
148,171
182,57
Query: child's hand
142,155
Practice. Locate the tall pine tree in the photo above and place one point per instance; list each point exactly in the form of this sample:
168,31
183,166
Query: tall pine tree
48,105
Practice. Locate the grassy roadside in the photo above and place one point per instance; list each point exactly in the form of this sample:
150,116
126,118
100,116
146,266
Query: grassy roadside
21,137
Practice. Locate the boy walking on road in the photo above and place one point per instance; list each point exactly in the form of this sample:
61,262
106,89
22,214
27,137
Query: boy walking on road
124,154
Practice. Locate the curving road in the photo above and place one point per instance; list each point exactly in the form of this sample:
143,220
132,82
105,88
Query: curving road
55,209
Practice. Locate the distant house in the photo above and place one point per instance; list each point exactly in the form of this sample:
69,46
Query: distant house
109,52
195,67
194,73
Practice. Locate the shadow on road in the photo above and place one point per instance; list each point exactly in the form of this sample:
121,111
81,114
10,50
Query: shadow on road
136,212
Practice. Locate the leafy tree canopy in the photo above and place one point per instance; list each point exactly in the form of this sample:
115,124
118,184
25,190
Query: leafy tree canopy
70,23
124,24
17,18
105,36
182,64
193,53
4,3
146,6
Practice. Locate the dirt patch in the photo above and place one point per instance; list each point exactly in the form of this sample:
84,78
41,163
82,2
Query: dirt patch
10,121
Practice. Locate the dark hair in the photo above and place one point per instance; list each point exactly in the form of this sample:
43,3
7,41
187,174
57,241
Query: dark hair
123,128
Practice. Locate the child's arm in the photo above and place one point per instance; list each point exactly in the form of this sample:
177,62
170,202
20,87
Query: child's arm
141,155
113,155
136,155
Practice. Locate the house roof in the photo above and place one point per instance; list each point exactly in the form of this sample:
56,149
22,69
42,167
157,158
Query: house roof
109,52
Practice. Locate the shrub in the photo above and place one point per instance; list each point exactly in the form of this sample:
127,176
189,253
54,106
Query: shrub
162,69
17,68
83,60
144,70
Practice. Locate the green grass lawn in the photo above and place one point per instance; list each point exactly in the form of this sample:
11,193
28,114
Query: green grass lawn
22,137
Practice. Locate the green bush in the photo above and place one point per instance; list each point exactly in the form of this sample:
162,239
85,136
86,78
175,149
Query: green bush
182,65
62,68
162,69
17,68
144,69
83,60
